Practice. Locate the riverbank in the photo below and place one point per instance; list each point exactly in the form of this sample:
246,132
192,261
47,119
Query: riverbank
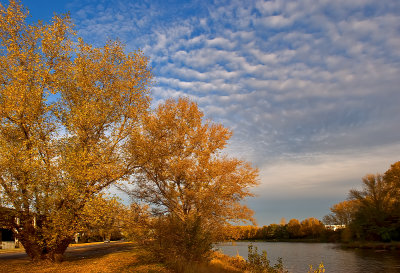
308,240
349,245
371,245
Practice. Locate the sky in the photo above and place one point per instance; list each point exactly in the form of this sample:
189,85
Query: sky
310,88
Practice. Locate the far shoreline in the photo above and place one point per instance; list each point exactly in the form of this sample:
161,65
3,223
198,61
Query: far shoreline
371,245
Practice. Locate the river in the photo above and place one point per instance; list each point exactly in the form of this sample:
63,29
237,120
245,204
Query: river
298,256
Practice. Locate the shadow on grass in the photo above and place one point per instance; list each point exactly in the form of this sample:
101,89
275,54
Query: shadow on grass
97,251
219,263
115,257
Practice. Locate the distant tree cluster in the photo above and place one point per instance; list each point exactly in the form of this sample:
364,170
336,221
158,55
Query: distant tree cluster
372,213
310,228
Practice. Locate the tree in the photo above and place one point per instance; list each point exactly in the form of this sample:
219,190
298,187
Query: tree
103,217
342,213
137,223
393,174
294,228
312,227
378,214
194,188
392,177
67,111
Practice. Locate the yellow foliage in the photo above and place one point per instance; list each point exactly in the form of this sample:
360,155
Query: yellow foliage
137,223
66,113
342,213
321,269
184,174
103,216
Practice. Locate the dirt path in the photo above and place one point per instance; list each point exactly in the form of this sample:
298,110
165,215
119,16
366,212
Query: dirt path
78,251
101,257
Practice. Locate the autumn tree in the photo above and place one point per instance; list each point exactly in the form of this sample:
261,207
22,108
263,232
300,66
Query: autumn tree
195,189
312,227
137,223
342,213
103,217
392,175
378,214
392,178
67,110
294,228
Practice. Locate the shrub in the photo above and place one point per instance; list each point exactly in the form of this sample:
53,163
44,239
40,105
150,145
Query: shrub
320,269
259,263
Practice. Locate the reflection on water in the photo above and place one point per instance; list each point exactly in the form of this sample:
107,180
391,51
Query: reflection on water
298,256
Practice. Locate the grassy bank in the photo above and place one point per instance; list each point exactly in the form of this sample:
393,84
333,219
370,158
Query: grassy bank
372,245
119,257
122,257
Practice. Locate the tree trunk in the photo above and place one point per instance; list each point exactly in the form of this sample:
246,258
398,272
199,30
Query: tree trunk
39,249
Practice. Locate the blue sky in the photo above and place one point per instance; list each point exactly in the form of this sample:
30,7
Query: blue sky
310,88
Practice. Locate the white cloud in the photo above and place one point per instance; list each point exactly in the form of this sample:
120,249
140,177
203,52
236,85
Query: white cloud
275,21
221,42
290,78
325,175
269,7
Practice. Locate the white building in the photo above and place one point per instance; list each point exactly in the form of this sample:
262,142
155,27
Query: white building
335,227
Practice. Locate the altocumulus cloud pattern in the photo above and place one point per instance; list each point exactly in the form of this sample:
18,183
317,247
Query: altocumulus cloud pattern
310,88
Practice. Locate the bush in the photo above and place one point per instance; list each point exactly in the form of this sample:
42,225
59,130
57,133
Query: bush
177,240
259,263
320,269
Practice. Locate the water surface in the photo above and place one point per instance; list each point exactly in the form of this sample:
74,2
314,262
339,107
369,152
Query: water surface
298,256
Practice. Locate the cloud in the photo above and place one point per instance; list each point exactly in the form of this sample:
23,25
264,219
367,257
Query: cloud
292,79
326,175
294,186
221,42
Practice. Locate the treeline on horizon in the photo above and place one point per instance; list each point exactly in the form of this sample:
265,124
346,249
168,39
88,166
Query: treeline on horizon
308,229
369,214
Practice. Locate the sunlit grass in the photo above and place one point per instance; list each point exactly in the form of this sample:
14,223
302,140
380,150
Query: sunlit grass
14,250
128,259
219,263
120,261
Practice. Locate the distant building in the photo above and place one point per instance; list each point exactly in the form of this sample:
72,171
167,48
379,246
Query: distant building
7,238
335,227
